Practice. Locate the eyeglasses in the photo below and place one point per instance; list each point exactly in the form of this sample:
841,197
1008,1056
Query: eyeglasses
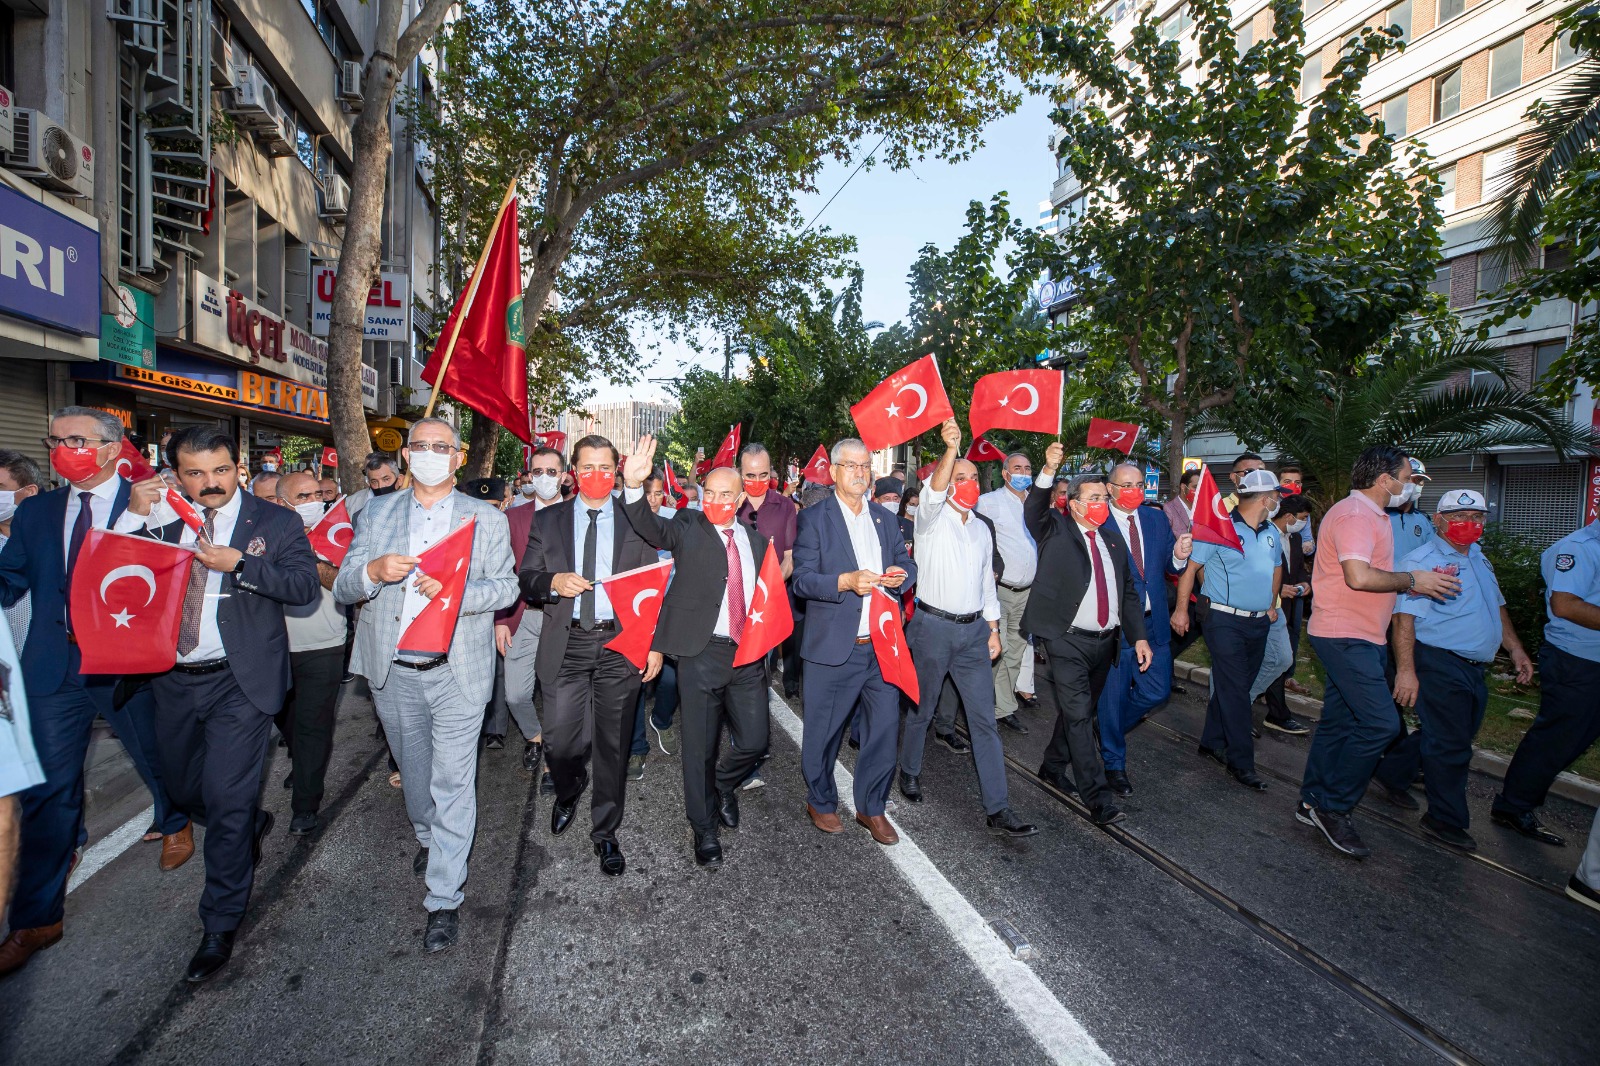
51,443
861,467
437,447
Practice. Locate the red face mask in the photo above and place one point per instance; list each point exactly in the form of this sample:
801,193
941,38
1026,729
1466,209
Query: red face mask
596,484
1097,512
75,464
965,495
1130,497
757,489
1062,505
1463,532
1291,489
718,514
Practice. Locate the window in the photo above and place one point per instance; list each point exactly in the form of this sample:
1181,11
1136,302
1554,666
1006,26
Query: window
1449,9
1447,95
1497,167
1441,281
1245,37
1394,116
1505,67
1544,356
1400,15
1072,210
1311,76
1493,272
1447,193
1313,6
1174,25
321,13
1566,54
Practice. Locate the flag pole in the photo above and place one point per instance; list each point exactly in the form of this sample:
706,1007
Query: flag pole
471,294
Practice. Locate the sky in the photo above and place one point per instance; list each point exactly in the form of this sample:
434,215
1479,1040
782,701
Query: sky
892,214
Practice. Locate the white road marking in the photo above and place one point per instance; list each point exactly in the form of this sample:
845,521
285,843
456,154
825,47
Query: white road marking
1062,1037
103,851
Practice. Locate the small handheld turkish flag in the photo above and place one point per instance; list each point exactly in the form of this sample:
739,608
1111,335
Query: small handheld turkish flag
1117,436
636,601
1212,522
551,438
331,536
912,400
889,642
1017,399
770,620
819,471
924,472
185,511
674,487
127,602
449,562
728,454
330,457
984,452
702,468
132,464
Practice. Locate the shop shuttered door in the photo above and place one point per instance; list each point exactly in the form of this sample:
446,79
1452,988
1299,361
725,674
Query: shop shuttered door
1542,501
24,408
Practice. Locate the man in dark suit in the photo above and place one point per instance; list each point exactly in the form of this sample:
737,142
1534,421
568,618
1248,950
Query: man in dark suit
845,547
1082,596
214,708
703,618
590,690
46,534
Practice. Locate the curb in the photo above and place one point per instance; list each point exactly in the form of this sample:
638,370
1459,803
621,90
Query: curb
1492,764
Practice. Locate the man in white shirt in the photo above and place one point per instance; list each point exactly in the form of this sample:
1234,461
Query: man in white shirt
955,630
1003,507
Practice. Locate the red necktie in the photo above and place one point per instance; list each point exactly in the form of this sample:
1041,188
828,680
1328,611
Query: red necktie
735,590
1102,601
1133,542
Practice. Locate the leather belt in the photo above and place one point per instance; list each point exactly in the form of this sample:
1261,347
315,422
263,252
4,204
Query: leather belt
958,619
1014,588
1097,634
863,640
1225,609
604,625
210,666
426,664
1480,663
717,638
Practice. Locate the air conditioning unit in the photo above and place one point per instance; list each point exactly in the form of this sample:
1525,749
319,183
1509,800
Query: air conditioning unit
224,69
335,197
275,138
253,102
49,154
350,83
8,107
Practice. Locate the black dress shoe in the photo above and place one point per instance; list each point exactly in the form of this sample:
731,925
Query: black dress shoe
611,861
1179,690
547,784
419,862
213,954
1456,838
263,827
1013,723
1005,823
1117,781
707,850
1024,700
1248,778
1213,754
561,813
532,752
728,808
1400,797
443,929
1106,814
1529,826
303,824
1058,781
953,742
911,787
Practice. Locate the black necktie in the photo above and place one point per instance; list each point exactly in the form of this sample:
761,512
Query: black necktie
586,601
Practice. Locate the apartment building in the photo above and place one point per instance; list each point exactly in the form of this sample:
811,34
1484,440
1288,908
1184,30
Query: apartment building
177,172
1460,89
622,422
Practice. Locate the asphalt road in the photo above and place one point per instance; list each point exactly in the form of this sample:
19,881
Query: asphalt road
1210,929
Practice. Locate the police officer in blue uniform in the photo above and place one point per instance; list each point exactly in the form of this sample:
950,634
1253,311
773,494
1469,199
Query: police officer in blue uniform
1412,528
1441,650
1569,684
1241,589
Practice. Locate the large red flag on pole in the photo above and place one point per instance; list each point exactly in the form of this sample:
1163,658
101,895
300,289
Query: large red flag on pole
984,452
1017,399
127,601
1212,522
482,362
910,401
449,561
770,621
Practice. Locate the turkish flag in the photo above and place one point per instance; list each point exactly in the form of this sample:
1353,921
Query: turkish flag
1017,399
674,486
924,472
770,621
636,601
330,457
1116,436
728,454
889,641
912,400
489,368
132,464
984,452
325,534
185,511
701,469
1212,522
127,602
551,438
449,561
819,471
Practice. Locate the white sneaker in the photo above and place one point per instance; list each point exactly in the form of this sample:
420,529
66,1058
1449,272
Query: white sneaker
756,781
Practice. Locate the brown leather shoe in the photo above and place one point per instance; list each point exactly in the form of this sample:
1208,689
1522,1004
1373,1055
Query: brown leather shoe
177,848
878,825
20,946
828,823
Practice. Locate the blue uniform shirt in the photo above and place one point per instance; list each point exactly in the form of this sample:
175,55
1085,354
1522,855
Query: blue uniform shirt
1243,582
1411,531
1467,623
1572,564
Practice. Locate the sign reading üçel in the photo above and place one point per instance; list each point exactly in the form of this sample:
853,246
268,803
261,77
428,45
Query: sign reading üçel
49,266
388,305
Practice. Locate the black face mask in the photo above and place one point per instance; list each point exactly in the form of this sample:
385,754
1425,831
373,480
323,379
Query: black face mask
385,490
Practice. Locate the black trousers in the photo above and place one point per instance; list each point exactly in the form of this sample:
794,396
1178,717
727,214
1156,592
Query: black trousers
1568,722
1237,646
1072,676
213,745
306,722
588,711
1196,622
712,692
1451,698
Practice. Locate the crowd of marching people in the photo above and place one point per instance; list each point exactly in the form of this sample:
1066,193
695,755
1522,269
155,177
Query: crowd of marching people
596,610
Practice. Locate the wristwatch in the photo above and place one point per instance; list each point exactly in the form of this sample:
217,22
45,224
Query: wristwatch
238,567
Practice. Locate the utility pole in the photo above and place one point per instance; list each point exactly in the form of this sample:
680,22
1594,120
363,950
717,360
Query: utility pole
727,357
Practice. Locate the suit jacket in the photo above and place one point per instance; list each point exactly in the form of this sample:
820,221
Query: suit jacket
1066,575
519,520
1157,540
550,552
385,528
250,613
34,561
822,551
693,601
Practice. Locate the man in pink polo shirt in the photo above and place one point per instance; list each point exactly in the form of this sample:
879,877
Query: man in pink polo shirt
1355,590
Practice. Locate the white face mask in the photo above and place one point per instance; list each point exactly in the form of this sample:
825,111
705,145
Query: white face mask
911,510
694,505
8,504
431,468
1296,526
544,486
526,489
1272,506
268,468
1412,493
310,513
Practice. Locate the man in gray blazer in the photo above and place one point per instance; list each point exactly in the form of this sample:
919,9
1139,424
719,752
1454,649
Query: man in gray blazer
431,706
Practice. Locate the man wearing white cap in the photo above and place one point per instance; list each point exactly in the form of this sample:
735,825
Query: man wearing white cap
1412,529
1441,650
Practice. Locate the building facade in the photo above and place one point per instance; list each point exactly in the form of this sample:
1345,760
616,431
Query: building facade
1460,89
180,170
622,422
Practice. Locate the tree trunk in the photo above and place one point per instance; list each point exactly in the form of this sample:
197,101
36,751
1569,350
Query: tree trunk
481,447
1177,439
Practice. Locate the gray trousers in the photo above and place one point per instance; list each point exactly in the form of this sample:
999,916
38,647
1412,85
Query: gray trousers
1589,865
433,733
514,694
1013,650
940,647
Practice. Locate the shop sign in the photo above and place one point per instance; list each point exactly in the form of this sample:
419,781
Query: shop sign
1591,509
171,382
388,305
129,336
49,266
280,394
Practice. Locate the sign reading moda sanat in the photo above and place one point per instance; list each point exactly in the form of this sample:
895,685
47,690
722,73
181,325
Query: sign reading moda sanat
49,266
226,322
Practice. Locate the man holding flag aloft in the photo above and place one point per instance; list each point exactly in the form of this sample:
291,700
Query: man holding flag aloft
714,621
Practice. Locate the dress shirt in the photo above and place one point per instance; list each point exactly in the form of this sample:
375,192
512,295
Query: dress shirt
210,646
1088,616
1123,522
869,553
747,563
1017,548
1467,623
1178,514
955,561
606,530
777,519
105,497
1572,565
427,526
